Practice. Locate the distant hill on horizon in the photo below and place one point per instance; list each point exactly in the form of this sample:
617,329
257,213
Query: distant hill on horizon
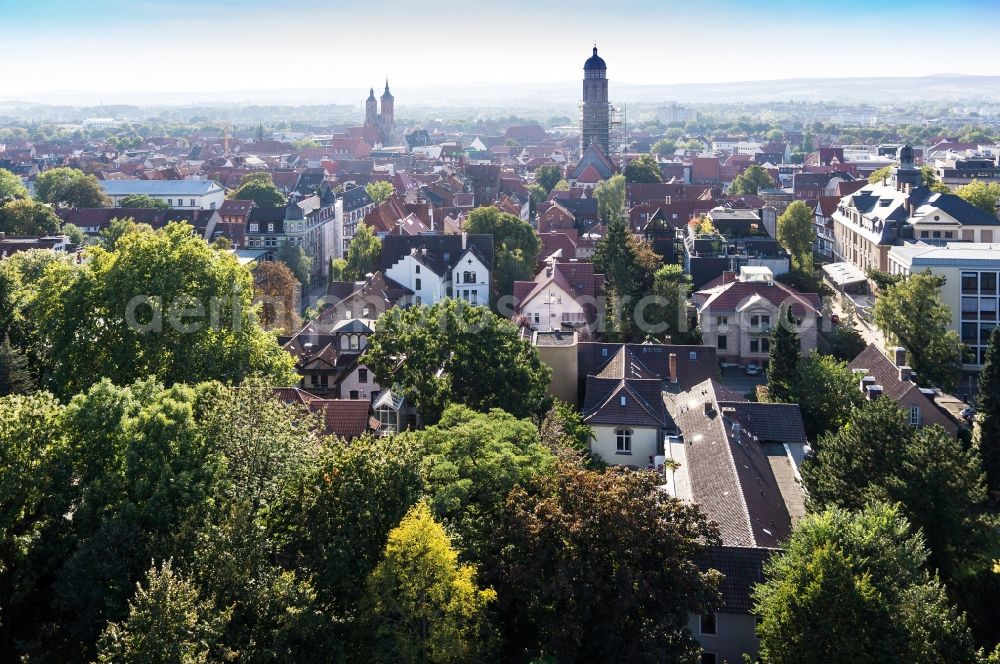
943,88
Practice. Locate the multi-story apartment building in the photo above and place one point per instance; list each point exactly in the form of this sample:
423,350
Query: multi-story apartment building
970,290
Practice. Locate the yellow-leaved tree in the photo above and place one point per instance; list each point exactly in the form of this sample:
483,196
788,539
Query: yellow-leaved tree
421,604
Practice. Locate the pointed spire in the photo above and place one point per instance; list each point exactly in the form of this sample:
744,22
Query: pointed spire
386,83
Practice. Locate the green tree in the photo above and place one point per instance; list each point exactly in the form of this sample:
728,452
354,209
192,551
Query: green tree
74,234
548,176
162,304
783,357
32,472
537,193
25,217
986,432
751,181
457,353
70,187
338,269
664,147
884,173
912,314
826,391
564,429
851,587
168,622
878,456
929,180
15,377
561,538
562,185
108,237
983,195
11,185
845,342
610,195
644,168
379,190
363,253
515,246
294,257
615,257
472,462
671,286
143,201
259,188
796,234
422,605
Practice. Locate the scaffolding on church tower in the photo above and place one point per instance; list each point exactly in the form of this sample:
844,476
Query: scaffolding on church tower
617,129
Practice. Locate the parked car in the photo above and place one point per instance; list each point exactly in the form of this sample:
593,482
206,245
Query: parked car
753,369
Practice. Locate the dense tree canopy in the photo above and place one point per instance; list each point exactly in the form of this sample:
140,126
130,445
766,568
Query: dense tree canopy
984,195
422,605
877,455
751,181
610,195
643,168
70,187
912,314
276,291
796,234
851,587
826,391
454,352
987,428
143,201
515,246
25,217
162,304
11,185
783,357
379,190
664,147
584,541
548,175
259,188
362,253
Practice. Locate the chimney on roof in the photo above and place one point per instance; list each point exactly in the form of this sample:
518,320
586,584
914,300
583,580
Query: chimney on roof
873,392
673,368
709,410
905,374
899,356
465,240
866,381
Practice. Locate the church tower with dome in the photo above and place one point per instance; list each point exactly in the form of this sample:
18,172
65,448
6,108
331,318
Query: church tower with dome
595,111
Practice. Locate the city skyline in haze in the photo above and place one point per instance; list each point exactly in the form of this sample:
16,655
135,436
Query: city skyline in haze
117,48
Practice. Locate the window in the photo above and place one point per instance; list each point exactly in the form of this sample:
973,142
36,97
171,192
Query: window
353,394
475,297
365,312
270,228
623,441
537,318
969,282
948,235
707,623
721,321
924,234
416,284
754,321
721,342
362,375
253,228
170,202
765,345
355,342
988,308
970,307
937,235
388,419
915,415
417,270
708,658
192,203
765,320
988,283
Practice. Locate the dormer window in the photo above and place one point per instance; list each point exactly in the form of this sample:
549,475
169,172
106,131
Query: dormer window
624,400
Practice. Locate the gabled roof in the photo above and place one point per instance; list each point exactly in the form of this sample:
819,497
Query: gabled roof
438,252
729,473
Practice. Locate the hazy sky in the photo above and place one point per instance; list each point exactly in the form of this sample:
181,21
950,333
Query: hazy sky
118,46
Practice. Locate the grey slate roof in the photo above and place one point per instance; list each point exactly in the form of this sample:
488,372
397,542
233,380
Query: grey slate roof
743,568
159,187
